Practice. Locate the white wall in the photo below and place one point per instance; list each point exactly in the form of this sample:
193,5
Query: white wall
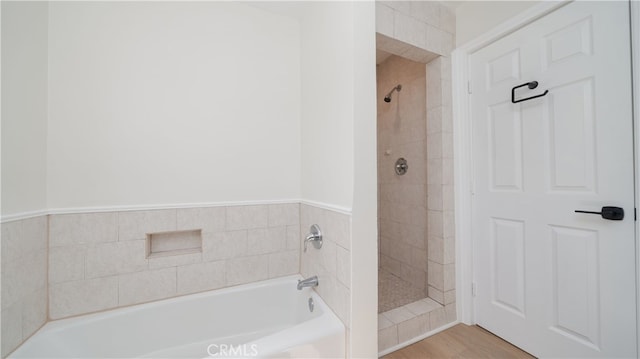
164,102
474,18
24,106
327,103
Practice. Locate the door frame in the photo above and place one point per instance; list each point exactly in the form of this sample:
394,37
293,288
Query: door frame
462,137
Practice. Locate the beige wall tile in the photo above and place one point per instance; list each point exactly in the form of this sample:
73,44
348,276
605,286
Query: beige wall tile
342,304
337,228
343,266
434,146
436,275
34,234
435,171
12,246
426,11
133,225
224,245
387,337
146,286
68,229
384,19
443,316
449,250
247,217
174,260
247,269
284,263
66,263
293,237
413,327
449,277
398,315
436,250
83,296
209,219
435,220
409,30
402,6
11,328
436,294
266,240
450,296
34,312
434,198
383,322
284,214
447,20
434,120
108,259
201,277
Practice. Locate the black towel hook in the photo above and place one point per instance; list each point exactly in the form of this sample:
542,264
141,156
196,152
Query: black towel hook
531,85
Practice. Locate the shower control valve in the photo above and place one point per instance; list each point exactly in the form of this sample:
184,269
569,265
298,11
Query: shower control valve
315,237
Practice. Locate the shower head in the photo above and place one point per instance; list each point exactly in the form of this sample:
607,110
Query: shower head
387,98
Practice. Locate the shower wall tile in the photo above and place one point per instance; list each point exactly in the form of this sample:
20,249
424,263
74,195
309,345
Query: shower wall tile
24,280
437,170
115,258
133,225
174,260
450,297
74,229
284,263
66,263
240,244
209,219
247,269
430,18
247,217
284,214
435,294
332,262
11,328
200,277
82,296
427,11
387,337
384,19
146,286
436,275
266,240
413,327
225,245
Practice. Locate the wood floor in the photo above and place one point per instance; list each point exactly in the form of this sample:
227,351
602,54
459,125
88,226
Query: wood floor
460,341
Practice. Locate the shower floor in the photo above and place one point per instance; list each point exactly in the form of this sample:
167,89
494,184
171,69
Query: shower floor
394,292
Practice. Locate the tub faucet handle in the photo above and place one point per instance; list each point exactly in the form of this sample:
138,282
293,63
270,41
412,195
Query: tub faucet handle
315,237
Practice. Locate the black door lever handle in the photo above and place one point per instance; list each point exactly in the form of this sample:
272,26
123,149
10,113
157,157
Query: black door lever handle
610,213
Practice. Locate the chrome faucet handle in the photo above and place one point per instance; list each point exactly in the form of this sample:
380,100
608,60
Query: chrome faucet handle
314,237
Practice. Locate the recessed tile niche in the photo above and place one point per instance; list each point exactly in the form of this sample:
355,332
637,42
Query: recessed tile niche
172,243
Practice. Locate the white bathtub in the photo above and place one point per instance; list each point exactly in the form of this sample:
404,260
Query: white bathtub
269,319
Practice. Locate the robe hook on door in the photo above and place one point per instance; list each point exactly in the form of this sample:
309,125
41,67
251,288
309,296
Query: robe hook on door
531,85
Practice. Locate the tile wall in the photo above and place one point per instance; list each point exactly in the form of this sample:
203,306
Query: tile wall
24,280
99,261
331,263
65,265
424,31
402,200
440,200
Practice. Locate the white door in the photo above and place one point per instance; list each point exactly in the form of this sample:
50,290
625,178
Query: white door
554,282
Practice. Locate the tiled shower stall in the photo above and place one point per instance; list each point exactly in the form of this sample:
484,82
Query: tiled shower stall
415,211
